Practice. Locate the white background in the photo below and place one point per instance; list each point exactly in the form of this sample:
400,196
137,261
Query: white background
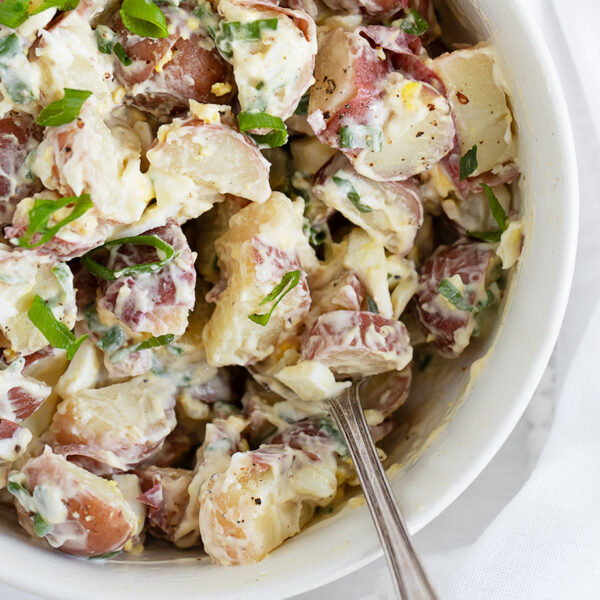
574,41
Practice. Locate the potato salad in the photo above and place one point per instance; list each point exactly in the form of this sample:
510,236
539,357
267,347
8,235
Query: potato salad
215,214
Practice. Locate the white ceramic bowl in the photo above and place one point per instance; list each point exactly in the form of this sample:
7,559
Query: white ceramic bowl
455,428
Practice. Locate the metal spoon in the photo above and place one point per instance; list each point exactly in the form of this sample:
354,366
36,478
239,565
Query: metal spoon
408,575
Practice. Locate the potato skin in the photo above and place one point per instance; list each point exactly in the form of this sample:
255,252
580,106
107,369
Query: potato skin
98,519
189,72
19,134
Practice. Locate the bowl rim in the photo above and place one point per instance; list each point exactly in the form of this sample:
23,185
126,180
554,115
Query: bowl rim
56,588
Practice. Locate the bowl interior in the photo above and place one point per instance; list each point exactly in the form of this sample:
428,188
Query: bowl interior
453,424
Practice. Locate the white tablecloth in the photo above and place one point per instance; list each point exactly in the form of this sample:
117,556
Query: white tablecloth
463,547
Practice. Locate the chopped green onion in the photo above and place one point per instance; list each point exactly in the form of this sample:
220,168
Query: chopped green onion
57,333
112,340
315,236
41,212
41,526
497,211
486,236
153,342
13,13
302,108
58,4
105,556
447,289
499,215
288,282
351,194
372,305
208,17
361,136
144,18
468,163
246,32
260,120
64,110
215,264
15,488
105,39
121,54
414,23
14,80
139,240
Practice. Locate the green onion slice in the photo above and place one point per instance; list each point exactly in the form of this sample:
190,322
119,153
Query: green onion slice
16,83
139,240
57,333
112,340
288,282
447,289
16,488
105,556
64,110
414,23
13,13
153,342
41,526
361,136
302,108
247,32
144,18
497,211
468,163
260,120
105,39
41,212
351,194
372,305
208,17
499,215
486,236
59,4
122,55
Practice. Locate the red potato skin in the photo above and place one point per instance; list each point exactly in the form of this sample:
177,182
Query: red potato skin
160,286
471,262
189,74
328,340
106,527
18,135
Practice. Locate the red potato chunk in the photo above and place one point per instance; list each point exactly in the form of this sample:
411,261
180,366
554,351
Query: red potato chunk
157,303
19,135
264,497
274,72
86,515
390,212
14,441
470,268
167,72
166,495
116,427
354,344
20,397
375,77
188,169
264,243
376,8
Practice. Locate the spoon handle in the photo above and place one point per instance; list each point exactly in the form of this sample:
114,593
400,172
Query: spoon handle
407,573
